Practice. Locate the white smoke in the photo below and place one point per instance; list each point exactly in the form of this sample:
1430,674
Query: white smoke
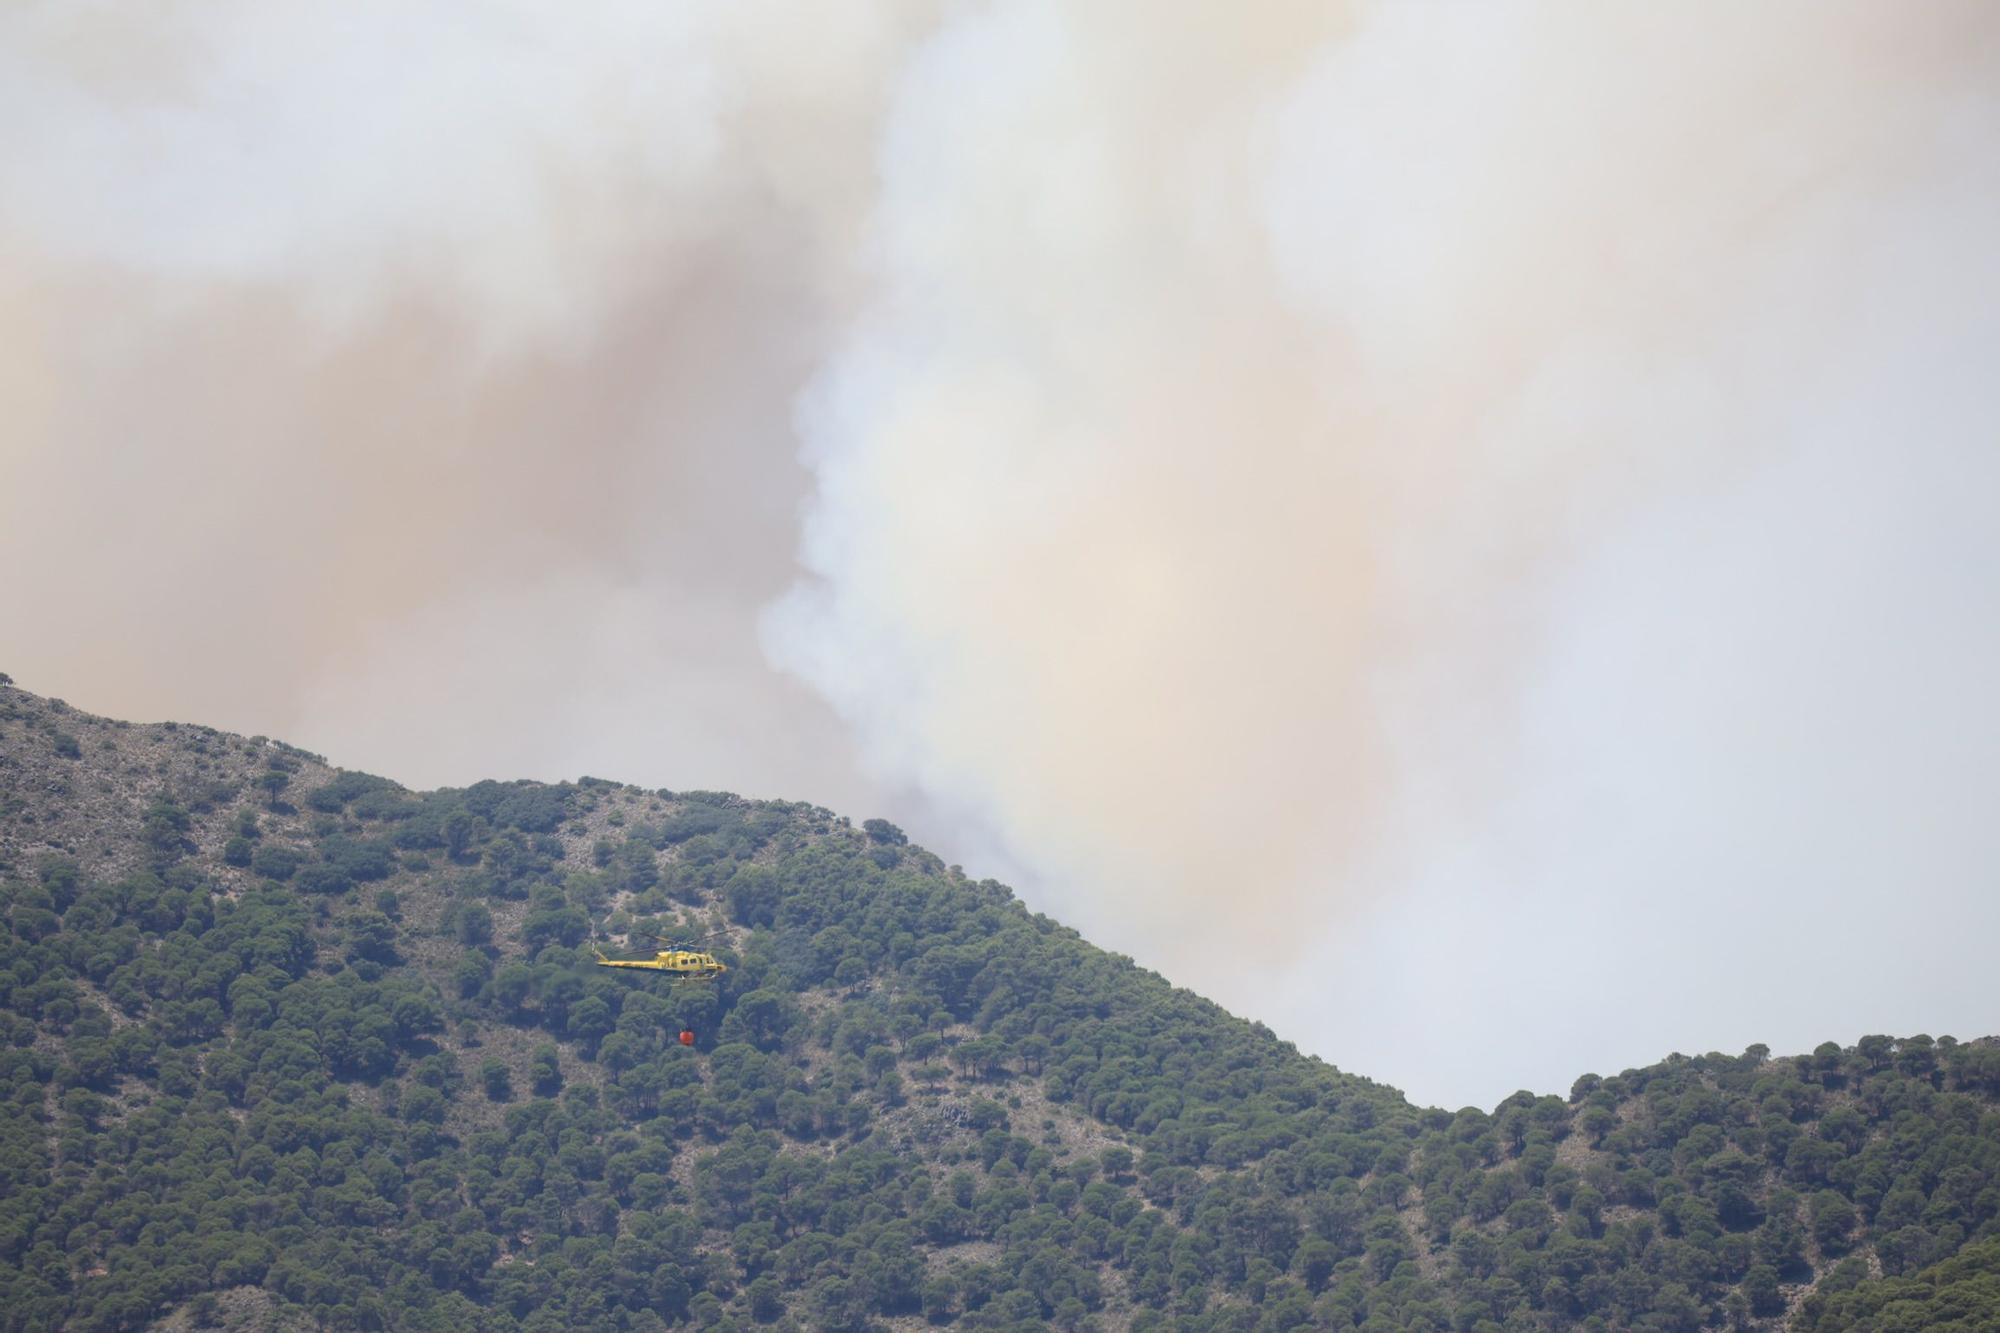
1199,410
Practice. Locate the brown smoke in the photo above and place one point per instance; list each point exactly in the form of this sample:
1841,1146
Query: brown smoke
429,404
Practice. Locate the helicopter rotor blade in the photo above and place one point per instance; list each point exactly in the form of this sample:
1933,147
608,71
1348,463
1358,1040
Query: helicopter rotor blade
678,942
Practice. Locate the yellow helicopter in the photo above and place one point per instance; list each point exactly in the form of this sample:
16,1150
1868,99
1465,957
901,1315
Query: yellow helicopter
685,964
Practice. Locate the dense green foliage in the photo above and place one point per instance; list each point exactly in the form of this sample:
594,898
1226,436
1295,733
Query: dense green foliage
1960,1295
344,1043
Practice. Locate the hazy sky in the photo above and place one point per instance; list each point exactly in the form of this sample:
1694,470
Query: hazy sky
1465,532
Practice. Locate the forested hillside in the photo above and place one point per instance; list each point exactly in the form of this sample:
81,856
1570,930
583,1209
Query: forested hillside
283,1046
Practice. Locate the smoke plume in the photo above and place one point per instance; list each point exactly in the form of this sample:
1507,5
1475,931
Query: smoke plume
1265,477
1225,392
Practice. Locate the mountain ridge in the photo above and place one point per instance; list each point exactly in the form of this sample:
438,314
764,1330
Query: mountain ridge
995,1124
